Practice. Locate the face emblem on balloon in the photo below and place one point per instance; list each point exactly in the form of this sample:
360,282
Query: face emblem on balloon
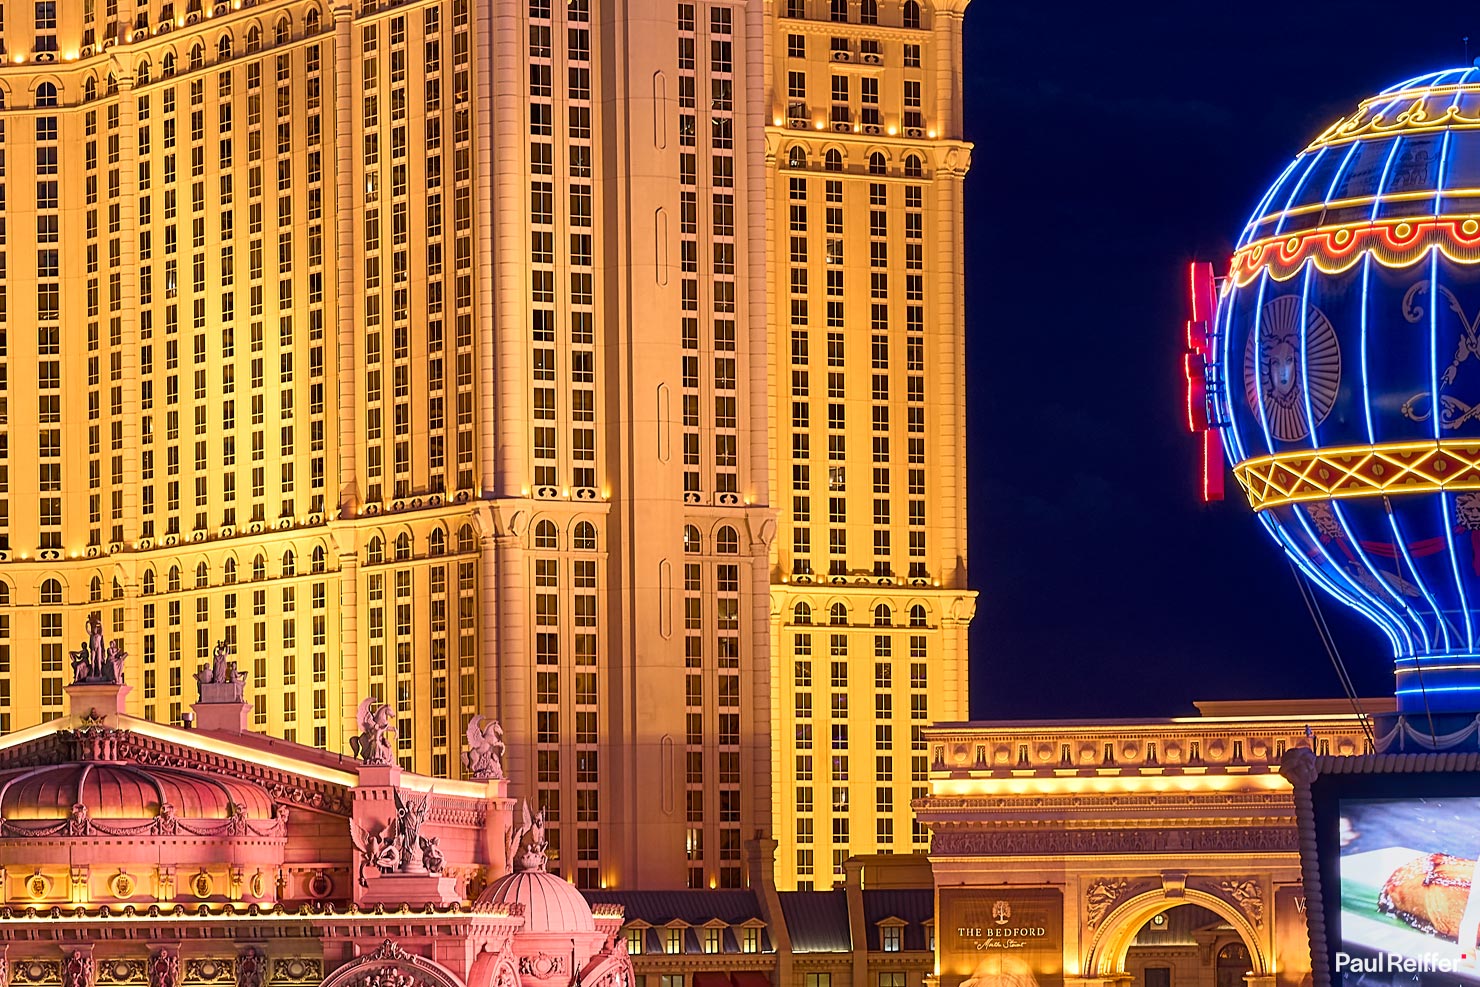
1278,369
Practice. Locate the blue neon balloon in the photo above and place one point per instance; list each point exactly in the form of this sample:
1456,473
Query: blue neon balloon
1347,374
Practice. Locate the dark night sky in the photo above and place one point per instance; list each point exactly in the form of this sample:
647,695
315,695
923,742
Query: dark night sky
1111,149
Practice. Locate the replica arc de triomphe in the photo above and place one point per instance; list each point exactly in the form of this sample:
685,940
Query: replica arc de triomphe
1055,843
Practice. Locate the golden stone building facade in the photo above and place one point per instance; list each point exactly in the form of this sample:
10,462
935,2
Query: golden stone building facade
439,351
1095,842
870,607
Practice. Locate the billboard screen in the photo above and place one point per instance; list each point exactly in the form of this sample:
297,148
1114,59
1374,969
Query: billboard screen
1406,869
1388,850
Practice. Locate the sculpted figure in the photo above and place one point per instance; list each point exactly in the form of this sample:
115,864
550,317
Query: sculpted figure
527,842
412,815
222,671
431,855
373,745
484,758
251,968
97,663
379,850
77,971
164,969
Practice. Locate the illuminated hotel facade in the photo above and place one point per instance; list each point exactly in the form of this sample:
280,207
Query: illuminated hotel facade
444,352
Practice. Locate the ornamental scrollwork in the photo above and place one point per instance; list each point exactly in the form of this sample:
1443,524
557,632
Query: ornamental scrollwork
1100,898
1246,893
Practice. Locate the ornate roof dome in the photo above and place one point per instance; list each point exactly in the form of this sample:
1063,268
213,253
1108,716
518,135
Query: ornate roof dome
550,904
124,791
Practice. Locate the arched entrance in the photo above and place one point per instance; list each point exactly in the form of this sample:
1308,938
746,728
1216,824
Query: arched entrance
1113,939
1233,964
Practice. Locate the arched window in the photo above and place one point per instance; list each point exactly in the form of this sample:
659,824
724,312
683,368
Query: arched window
230,572
202,576
95,590
545,535
868,12
259,567
584,538
112,84
282,32
801,614
882,615
465,540
437,542
89,89
877,165
51,592
141,74
833,160
254,38
4,594
917,615
693,542
223,47
726,542
318,558
167,66
839,10
796,157
838,616
2,99
403,547
374,552
290,565
197,56
911,14
311,22
912,167
117,589
174,579
46,94
148,582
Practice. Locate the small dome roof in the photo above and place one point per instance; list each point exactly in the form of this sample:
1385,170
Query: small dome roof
125,791
550,904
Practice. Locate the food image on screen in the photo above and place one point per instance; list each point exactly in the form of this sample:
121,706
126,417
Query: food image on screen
1407,870
1430,893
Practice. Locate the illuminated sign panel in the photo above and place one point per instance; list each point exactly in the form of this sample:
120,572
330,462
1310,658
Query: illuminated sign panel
1008,935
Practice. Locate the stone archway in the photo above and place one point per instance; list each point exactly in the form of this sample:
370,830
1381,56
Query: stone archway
388,965
1107,951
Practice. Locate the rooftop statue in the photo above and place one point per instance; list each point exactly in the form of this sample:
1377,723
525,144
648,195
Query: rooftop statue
527,842
373,744
229,685
484,758
97,663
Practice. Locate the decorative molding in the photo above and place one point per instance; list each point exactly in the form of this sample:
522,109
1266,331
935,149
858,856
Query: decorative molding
1232,839
1247,894
1101,897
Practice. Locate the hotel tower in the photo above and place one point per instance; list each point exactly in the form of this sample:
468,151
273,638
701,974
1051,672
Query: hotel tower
472,355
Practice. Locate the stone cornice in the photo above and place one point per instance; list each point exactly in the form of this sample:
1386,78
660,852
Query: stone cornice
1053,843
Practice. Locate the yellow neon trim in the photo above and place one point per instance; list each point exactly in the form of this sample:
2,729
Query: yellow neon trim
1351,472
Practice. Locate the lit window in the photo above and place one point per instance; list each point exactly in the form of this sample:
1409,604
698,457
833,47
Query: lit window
892,939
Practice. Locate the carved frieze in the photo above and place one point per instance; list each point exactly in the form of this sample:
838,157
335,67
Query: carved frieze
1223,839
